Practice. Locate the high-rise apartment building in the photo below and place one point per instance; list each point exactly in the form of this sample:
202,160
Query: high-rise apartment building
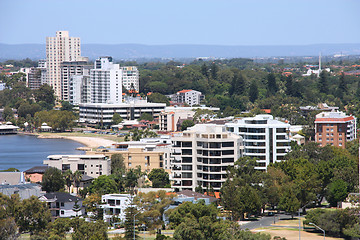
60,49
80,89
334,128
69,69
130,78
34,78
201,156
43,69
106,81
265,139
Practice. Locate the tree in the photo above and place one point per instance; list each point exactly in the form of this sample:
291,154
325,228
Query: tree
272,86
77,176
289,86
88,230
59,228
288,200
33,215
45,94
68,177
153,205
8,114
130,232
8,229
146,116
253,92
323,84
239,193
238,83
52,180
159,178
92,204
337,192
66,106
117,164
337,223
158,98
186,124
116,119
103,185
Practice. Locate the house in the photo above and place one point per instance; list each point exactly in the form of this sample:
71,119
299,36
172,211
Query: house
63,204
35,174
187,195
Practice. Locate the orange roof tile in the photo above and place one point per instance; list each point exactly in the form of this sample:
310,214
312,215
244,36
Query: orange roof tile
185,91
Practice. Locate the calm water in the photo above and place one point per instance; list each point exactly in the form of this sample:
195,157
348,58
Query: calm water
24,152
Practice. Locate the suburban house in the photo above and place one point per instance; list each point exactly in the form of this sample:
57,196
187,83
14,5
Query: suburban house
63,204
114,205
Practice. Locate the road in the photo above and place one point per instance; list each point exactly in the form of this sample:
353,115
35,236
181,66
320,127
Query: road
264,221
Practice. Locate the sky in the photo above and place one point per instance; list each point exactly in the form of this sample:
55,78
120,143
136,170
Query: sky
158,22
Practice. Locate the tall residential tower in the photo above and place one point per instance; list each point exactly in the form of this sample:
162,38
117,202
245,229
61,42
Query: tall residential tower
60,49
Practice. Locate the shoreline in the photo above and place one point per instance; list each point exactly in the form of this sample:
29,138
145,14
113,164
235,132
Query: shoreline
90,142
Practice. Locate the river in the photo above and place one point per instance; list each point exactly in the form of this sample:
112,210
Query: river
24,151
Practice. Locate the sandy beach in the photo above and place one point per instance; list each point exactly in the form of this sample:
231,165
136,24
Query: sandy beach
91,142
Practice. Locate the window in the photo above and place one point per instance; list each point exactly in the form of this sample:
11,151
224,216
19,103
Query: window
129,158
62,212
320,139
340,144
129,164
81,167
62,204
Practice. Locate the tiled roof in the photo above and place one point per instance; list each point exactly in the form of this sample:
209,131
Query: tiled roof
196,195
185,91
62,197
37,169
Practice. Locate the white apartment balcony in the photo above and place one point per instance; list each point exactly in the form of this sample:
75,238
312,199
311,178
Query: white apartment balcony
255,147
177,150
254,154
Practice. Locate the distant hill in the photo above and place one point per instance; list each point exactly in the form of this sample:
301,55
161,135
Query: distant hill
134,51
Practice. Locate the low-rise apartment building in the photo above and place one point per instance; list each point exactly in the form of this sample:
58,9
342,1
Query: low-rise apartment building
201,156
188,96
93,114
334,128
91,165
135,154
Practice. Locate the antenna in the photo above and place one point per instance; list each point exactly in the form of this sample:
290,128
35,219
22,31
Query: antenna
319,64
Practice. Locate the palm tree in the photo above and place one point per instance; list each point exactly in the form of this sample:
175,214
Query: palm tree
77,176
68,176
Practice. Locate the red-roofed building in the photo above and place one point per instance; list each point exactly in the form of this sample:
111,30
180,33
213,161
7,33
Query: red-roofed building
188,96
334,128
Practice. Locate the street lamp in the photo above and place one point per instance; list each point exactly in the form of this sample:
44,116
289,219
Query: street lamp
300,219
318,228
